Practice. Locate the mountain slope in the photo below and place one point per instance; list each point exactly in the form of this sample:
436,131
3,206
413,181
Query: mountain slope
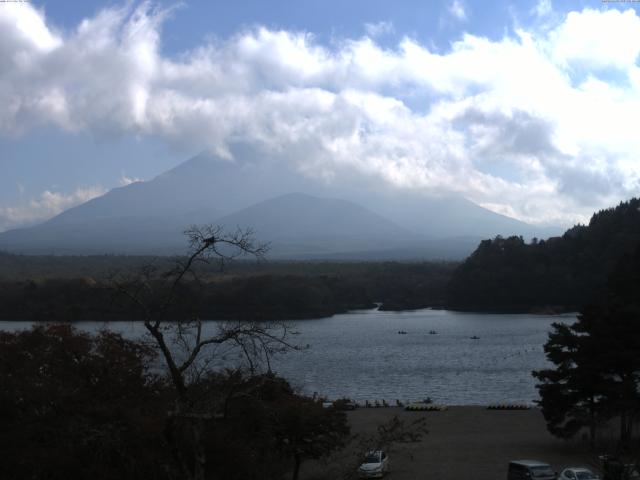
448,216
204,186
149,217
303,223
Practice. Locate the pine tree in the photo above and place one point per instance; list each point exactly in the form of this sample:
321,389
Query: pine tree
573,393
597,361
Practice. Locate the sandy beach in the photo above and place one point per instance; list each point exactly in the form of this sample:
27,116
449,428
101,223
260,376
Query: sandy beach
469,442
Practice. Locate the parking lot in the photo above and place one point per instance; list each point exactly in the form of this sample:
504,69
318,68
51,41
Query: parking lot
468,442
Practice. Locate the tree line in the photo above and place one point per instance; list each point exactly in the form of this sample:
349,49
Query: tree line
558,274
270,295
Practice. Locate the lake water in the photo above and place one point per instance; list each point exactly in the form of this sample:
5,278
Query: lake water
361,355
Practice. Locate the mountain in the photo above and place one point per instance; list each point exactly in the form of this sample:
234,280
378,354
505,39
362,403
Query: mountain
334,220
301,224
149,217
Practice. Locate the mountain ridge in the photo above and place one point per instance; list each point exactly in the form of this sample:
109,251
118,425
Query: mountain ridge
149,217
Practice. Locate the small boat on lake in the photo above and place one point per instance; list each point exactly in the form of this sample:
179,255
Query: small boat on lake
474,337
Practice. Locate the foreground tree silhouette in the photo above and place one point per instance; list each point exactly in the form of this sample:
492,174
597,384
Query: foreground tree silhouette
186,345
309,431
597,361
265,430
573,394
74,405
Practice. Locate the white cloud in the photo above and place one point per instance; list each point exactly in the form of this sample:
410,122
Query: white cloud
543,8
378,29
457,10
45,206
534,125
597,39
126,180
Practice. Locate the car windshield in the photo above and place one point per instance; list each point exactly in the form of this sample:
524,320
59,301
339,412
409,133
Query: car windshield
544,471
586,475
372,458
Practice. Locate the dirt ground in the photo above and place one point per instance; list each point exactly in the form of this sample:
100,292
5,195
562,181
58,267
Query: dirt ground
465,442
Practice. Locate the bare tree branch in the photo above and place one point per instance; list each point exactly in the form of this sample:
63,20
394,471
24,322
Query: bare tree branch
156,293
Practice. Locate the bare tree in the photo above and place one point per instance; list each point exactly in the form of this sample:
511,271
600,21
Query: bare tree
188,346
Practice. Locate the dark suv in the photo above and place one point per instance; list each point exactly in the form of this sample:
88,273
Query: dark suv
530,470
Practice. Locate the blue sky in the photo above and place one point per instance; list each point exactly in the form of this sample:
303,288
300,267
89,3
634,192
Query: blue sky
523,107
193,21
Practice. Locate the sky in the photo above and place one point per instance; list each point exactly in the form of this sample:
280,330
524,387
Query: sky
528,108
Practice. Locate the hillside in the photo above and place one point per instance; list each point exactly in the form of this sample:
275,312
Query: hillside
561,273
313,225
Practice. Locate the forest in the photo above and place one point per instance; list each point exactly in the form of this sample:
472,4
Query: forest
47,288
558,274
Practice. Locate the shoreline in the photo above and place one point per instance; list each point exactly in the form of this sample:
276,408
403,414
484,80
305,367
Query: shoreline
306,316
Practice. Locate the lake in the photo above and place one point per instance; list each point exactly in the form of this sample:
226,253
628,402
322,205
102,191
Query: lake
362,356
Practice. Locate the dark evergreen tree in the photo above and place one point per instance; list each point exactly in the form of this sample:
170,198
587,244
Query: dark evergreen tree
572,394
597,360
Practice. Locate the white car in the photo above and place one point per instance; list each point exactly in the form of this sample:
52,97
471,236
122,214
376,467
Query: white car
375,465
577,473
